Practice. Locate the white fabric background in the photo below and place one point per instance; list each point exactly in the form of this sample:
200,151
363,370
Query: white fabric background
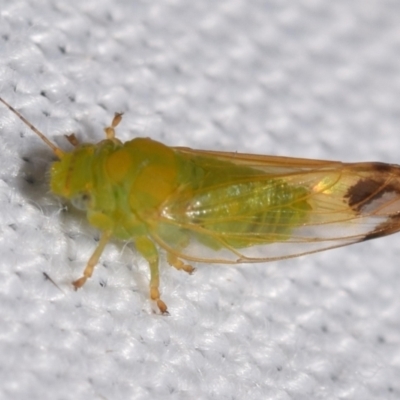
307,78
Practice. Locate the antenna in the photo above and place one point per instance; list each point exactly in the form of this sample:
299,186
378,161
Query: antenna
57,151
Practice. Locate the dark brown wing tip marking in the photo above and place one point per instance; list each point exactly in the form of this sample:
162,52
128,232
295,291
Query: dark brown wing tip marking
366,191
383,167
381,179
385,229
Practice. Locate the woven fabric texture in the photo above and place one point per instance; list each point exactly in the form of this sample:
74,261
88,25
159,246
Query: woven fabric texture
308,78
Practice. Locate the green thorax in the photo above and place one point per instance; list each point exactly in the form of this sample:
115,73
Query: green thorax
119,184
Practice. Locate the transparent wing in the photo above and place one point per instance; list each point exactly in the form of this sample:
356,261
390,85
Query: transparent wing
276,207
270,165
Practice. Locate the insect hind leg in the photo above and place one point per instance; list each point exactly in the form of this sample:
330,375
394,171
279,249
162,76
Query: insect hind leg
110,130
175,262
149,251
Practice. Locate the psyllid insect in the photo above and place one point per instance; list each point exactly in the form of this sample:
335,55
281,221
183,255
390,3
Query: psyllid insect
218,207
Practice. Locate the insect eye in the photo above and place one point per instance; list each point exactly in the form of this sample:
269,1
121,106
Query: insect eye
81,201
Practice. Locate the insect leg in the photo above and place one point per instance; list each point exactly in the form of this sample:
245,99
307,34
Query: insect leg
110,130
72,139
175,262
93,260
149,251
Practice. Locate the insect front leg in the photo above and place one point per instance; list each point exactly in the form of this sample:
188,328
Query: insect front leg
175,262
93,260
110,130
149,251
72,139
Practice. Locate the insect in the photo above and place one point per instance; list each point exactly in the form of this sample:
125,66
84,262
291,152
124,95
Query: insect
218,207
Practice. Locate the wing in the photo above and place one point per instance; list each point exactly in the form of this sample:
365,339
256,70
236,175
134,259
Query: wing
268,164
236,208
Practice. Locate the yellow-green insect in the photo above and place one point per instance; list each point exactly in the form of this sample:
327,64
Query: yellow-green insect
218,207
